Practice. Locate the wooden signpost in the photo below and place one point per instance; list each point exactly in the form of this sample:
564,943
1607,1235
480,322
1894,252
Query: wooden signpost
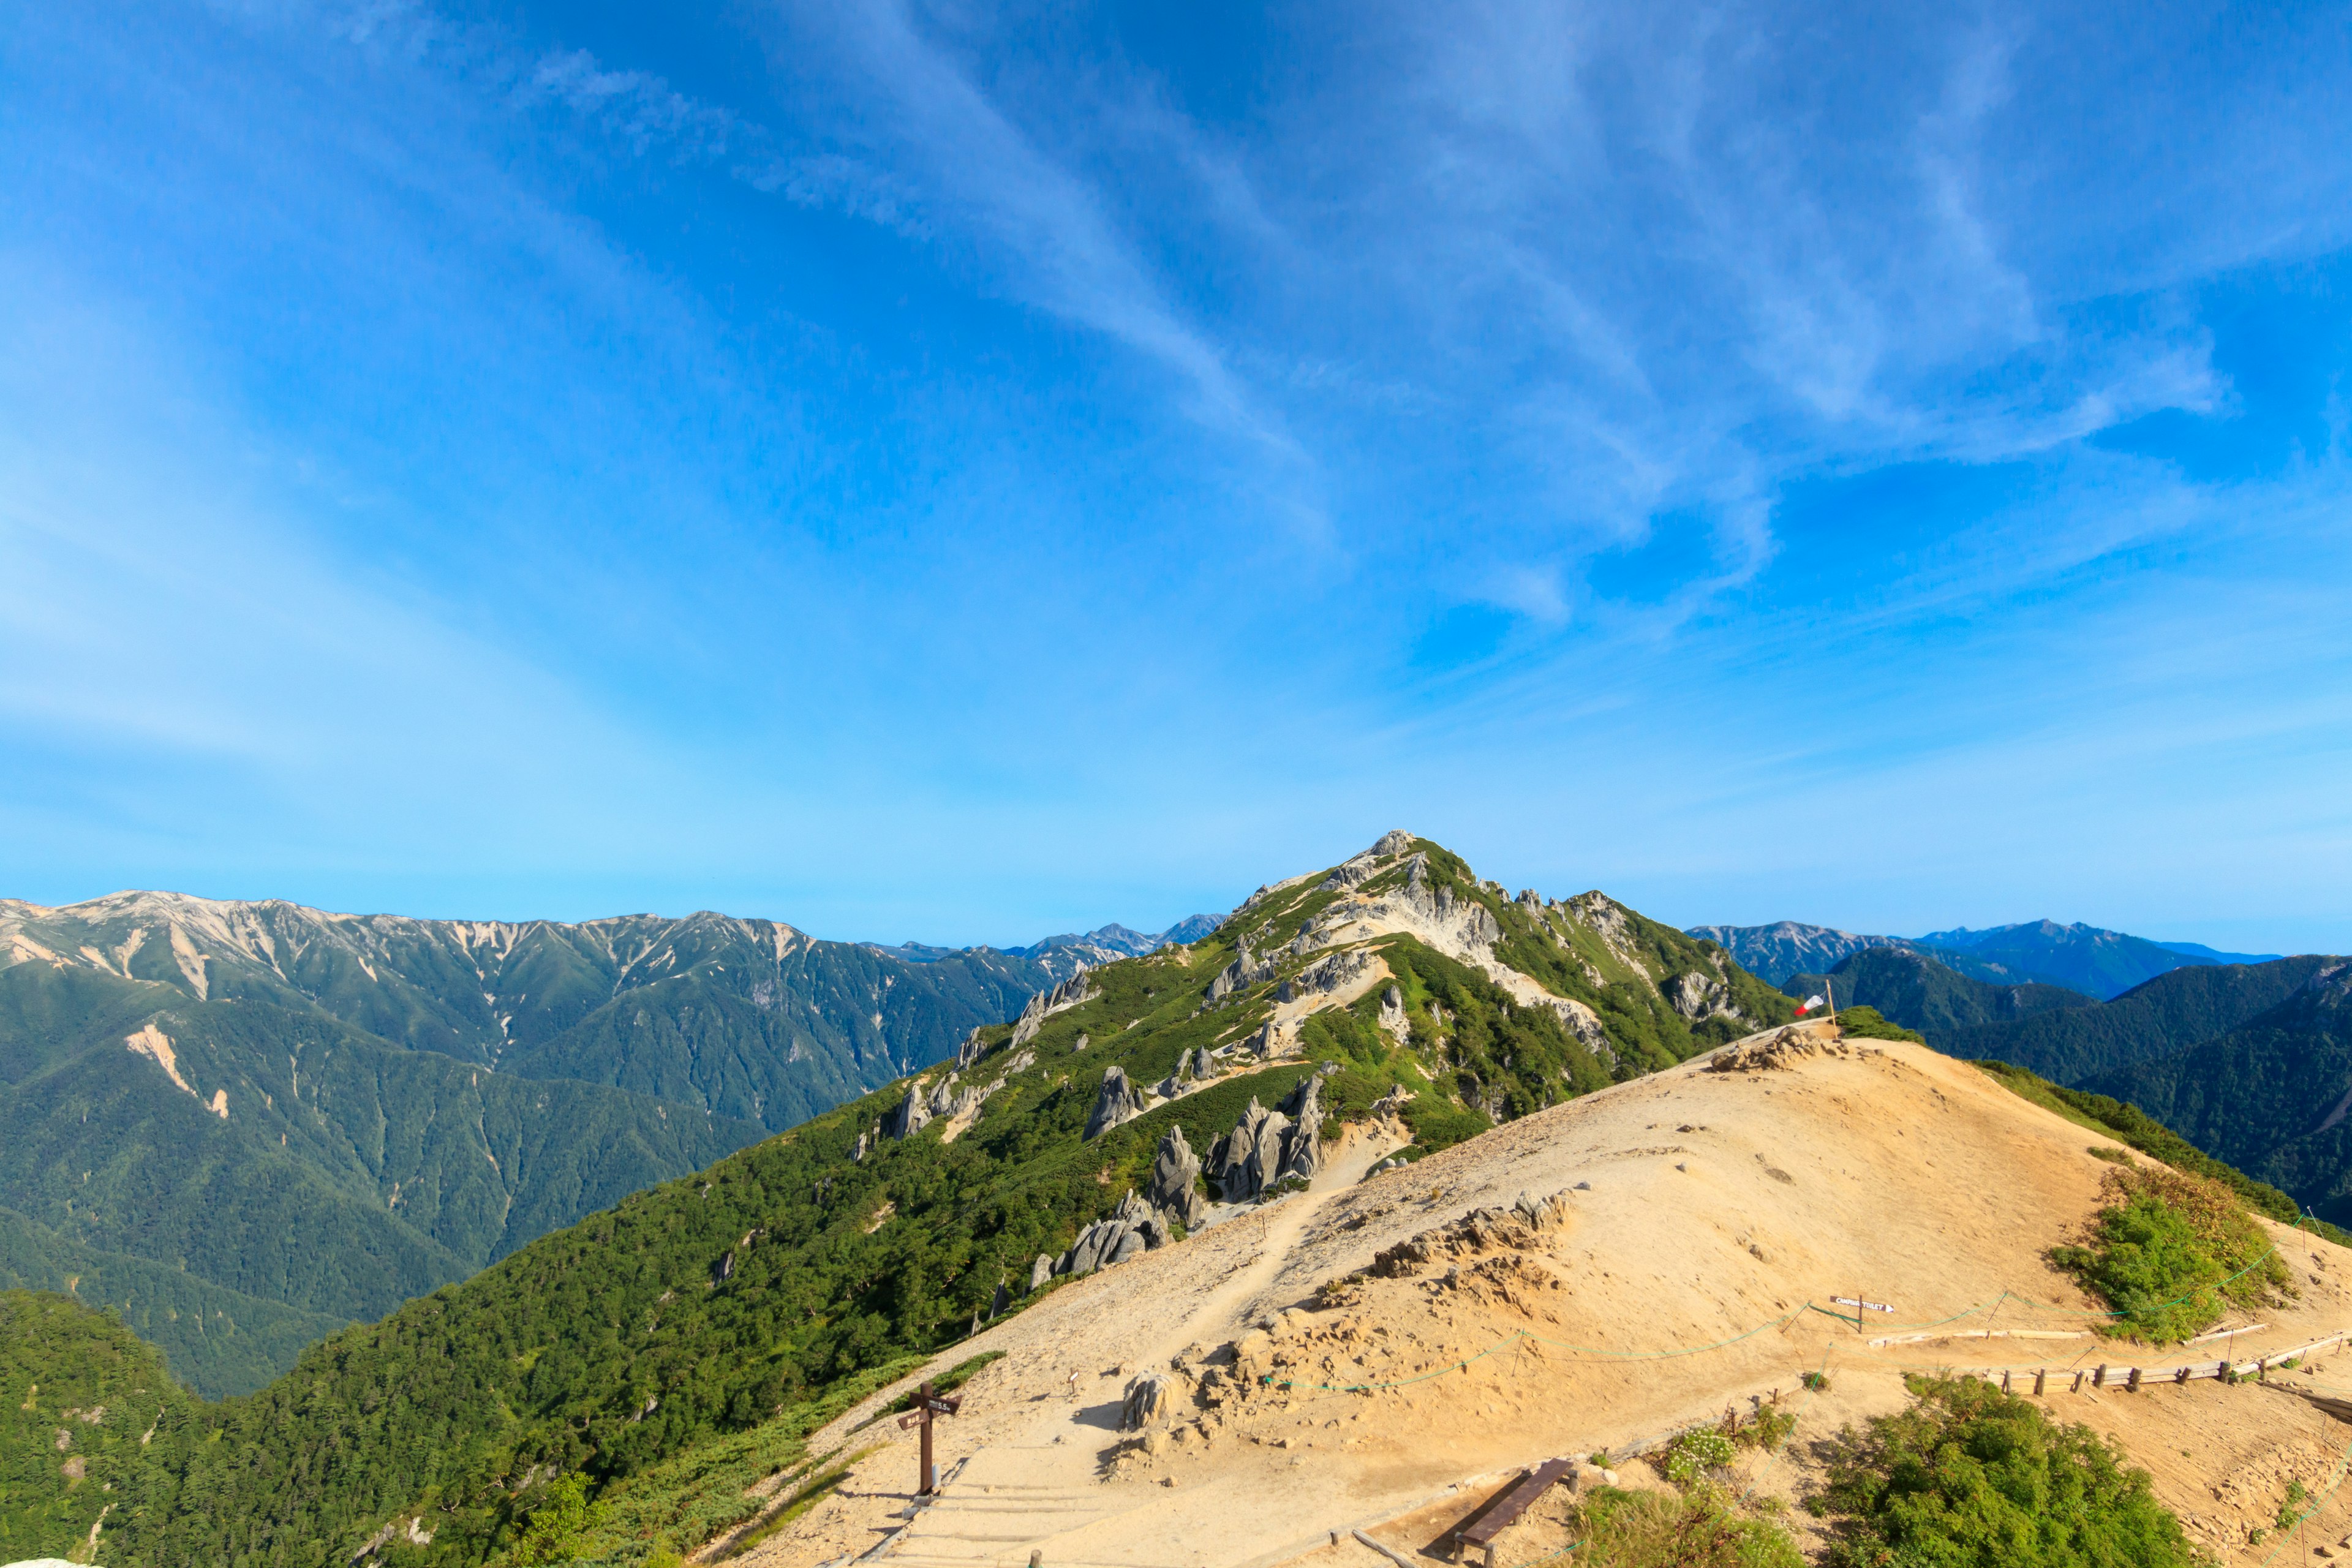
927,1406
1860,1307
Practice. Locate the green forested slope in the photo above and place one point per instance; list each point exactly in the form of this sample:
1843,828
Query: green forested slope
2169,1012
1919,993
2270,1097
779,1046
77,1391
288,1157
705,1308
218,1341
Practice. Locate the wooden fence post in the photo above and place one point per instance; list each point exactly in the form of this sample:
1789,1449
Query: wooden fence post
2041,1376
2134,1385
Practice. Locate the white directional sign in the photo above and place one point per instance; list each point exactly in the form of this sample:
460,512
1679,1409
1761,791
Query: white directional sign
1857,1301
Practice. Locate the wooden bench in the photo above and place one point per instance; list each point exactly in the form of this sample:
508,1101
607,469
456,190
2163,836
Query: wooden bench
1502,1511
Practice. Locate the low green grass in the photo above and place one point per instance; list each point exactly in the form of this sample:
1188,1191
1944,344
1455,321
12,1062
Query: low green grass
703,1492
1698,1529
1867,1023
1969,1477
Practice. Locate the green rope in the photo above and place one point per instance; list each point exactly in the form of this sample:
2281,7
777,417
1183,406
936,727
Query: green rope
2334,1480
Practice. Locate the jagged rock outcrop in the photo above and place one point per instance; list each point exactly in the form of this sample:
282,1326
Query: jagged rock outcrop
1248,1160
909,1117
1269,1039
1393,1021
1041,1271
1519,1226
1607,920
1698,996
1330,973
1469,923
1581,1022
1116,1102
968,1050
1174,1188
1072,993
1302,1142
1246,970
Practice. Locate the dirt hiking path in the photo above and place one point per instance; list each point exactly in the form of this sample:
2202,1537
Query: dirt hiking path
1040,1491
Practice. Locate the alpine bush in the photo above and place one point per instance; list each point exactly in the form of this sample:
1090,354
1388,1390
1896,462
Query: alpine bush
1969,1476
2169,1251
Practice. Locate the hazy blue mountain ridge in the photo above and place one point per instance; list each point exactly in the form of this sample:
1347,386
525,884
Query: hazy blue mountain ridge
1774,953
1919,993
2103,964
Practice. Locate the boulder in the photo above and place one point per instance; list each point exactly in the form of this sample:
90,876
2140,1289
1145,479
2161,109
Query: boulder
1150,1402
1041,1270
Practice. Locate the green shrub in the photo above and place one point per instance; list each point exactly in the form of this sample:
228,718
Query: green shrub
2168,1251
2290,1508
1690,1456
1766,1429
1698,1529
1868,1023
559,1526
1969,1476
1816,1382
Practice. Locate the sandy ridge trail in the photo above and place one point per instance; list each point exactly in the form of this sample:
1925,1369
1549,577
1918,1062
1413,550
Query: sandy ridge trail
1039,1491
1704,1209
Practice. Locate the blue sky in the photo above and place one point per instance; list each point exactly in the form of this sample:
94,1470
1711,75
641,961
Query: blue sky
965,472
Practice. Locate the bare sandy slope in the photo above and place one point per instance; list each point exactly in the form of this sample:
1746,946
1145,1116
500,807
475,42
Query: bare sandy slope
1705,1210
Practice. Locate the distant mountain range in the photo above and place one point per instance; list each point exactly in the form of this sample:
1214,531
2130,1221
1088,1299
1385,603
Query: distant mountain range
1105,944
240,1125
2100,964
